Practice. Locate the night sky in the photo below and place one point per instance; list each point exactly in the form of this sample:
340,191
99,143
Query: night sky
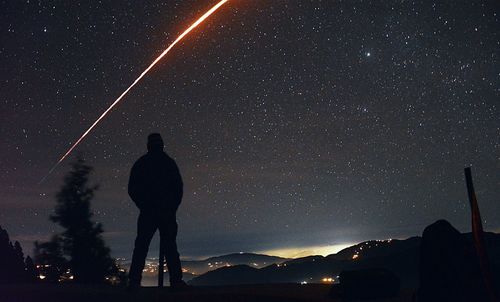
295,124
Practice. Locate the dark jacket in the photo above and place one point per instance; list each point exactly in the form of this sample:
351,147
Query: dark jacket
155,183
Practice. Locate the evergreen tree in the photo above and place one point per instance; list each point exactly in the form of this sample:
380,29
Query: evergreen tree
31,272
18,269
5,256
12,263
82,242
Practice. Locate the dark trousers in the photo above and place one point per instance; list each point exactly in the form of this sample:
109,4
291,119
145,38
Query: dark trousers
147,224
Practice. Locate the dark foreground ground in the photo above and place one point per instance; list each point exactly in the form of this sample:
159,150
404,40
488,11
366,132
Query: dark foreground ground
241,293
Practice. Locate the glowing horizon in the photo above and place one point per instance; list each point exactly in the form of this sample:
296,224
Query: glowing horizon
297,252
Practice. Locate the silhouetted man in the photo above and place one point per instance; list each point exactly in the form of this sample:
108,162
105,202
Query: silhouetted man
155,186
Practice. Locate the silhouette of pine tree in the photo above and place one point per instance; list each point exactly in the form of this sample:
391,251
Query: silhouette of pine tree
31,272
18,269
13,268
5,256
82,242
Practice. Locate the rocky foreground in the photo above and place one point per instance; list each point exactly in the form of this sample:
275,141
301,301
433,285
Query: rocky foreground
242,293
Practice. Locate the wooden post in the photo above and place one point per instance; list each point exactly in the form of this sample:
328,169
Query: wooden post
161,261
477,234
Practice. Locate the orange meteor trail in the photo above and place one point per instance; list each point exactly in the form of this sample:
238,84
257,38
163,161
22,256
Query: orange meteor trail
190,28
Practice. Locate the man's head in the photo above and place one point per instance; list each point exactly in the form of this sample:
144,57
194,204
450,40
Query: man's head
155,142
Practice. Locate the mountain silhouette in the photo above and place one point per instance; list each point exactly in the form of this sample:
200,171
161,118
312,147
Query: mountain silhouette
199,267
399,256
194,268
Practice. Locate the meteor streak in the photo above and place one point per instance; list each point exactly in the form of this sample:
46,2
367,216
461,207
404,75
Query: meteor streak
179,38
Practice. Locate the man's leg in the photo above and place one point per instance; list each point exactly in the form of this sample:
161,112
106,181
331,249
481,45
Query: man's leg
168,233
146,228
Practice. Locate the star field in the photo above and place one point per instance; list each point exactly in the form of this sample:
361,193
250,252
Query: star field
294,123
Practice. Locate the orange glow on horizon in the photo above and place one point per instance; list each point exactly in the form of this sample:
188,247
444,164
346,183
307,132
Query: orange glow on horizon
179,38
297,252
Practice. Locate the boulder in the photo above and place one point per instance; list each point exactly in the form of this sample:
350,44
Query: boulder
449,268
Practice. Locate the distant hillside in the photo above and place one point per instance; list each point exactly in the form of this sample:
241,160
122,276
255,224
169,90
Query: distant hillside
399,256
250,259
195,268
376,248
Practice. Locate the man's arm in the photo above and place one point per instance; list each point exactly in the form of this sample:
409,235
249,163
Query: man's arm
178,186
134,186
